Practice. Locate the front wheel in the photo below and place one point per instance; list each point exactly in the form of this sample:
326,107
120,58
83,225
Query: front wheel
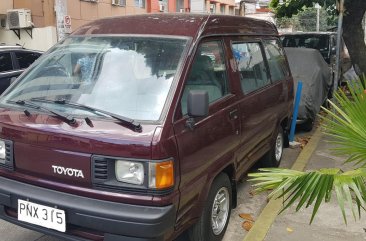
215,217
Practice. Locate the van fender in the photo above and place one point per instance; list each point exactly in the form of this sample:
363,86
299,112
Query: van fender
228,169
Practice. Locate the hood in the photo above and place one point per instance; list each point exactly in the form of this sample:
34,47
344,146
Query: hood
47,147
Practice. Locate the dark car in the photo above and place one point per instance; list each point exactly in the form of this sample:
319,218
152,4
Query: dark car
14,59
325,42
139,127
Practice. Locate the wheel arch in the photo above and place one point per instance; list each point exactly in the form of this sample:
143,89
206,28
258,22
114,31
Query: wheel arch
285,124
230,172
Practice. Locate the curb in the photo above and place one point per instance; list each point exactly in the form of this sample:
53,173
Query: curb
265,220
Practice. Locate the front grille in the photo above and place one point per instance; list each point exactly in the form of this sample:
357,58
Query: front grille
100,169
8,163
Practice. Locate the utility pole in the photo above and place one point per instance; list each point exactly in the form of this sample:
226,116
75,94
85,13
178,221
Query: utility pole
338,51
318,7
61,12
242,8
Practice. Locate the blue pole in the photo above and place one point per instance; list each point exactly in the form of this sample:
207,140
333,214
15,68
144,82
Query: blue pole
296,111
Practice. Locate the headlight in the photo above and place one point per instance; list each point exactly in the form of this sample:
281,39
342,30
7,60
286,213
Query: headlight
2,152
161,174
129,172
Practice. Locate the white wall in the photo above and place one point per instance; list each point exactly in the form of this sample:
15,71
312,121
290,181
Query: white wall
263,16
43,38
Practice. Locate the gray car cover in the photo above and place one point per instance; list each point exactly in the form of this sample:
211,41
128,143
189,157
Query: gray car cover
308,66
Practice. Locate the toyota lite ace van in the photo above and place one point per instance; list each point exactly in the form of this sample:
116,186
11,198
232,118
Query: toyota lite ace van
139,127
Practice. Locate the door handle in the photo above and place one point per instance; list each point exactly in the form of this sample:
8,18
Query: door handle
233,114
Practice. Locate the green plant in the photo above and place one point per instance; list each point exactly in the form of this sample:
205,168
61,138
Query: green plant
346,124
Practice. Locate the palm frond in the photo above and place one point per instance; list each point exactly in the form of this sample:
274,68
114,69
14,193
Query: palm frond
314,187
346,123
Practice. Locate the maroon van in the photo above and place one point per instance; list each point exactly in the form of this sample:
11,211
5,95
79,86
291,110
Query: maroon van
139,127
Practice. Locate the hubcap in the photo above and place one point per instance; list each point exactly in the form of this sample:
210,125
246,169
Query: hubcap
220,210
279,147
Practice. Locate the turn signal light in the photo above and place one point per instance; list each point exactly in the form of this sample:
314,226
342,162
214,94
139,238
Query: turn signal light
161,174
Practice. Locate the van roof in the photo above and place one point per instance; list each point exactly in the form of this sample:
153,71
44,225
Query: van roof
178,24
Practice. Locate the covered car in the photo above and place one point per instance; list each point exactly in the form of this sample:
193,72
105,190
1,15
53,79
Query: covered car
326,43
308,66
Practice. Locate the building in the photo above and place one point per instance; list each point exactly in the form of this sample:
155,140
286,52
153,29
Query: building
172,6
213,6
255,9
51,20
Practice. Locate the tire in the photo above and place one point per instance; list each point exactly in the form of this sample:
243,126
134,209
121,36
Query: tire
274,156
308,125
204,230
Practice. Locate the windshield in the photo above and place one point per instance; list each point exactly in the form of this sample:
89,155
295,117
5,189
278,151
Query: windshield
127,76
319,42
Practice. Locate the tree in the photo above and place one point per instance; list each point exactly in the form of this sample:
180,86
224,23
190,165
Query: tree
306,21
347,126
353,33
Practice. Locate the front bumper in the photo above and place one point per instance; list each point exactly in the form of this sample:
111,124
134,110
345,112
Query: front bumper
114,221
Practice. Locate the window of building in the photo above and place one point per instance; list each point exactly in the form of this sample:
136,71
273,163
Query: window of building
121,3
222,9
163,6
212,8
140,3
180,6
251,66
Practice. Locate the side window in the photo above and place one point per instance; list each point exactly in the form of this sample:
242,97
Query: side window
5,62
208,72
276,60
25,59
252,69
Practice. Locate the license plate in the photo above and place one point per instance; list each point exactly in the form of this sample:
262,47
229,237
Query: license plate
41,215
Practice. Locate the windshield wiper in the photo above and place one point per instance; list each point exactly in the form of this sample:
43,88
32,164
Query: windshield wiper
124,120
66,118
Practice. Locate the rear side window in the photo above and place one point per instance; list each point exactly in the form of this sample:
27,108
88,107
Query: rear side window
25,59
208,72
251,66
276,60
5,62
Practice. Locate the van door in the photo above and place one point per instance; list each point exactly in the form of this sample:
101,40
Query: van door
278,97
259,101
209,147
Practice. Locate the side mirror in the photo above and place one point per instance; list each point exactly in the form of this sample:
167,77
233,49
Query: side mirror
12,79
197,103
197,106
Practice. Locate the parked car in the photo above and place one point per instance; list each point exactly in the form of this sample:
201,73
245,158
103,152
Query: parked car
140,127
14,59
325,42
308,66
